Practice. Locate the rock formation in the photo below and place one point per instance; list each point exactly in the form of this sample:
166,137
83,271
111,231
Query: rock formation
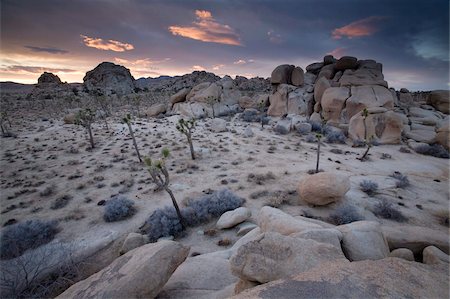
109,78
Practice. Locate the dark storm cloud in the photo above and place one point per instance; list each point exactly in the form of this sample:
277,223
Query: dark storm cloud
410,38
46,50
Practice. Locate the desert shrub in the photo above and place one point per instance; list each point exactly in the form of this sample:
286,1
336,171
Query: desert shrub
311,138
118,208
404,150
61,202
386,210
165,222
49,190
316,126
358,143
344,214
333,135
402,180
369,187
250,115
18,238
435,150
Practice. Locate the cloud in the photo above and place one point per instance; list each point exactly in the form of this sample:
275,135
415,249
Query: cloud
207,29
338,52
242,61
360,28
274,37
144,62
430,43
47,50
34,69
198,68
109,45
218,67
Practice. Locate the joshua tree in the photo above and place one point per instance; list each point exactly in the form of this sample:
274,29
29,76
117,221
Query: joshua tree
3,120
127,120
367,140
261,110
86,118
318,136
212,101
137,100
160,176
102,103
186,127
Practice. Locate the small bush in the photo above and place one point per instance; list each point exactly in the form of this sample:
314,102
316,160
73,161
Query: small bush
345,214
165,222
48,191
358,143
333,135
311,138
18,238
61,202
369,187
402,180
386,210
435,150
118,208
316,126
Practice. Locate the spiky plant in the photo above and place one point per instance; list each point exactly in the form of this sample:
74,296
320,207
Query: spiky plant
212,102
86,118
318,137
185,127
160,176
367,140
3,120
127,120
103,104
261,110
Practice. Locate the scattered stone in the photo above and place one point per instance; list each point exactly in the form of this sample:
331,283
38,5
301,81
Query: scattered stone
433,255
403,253
233,218
323,188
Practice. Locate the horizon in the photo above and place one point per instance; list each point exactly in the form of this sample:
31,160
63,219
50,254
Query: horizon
245,38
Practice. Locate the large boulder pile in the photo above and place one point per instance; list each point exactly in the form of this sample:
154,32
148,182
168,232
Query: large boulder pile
48,79
109,78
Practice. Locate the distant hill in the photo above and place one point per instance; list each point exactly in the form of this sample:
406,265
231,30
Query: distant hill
13,87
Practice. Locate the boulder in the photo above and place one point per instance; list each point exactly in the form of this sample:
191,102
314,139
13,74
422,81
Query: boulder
199,276
439,99
248,132
245,227
443,136
48,79
433,255
247,102
189,109
405,100
363,240
327,71
278,101
403,253
139,273
369,72
314,68
196,89
69,119
326,235
263,100
425,136
155,110
319,88
328,59
368,97
387,278
283,126
346,62
282,74
274,220
385,127
180,96
315,117
415,238
210,93
218,125
109,78
299,102
323,188
333,101
303,128
297,76
273,256
132,241
233,218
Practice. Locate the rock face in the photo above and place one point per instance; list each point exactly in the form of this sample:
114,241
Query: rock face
386,278
403,253
273,256
323,188
139,273
48,79
109,78
282,74
332,102
363,240
346,62
297,76
274,220
432,255
443,136
156,110
179,96
368,97
384,126
440,99
233,218
132,241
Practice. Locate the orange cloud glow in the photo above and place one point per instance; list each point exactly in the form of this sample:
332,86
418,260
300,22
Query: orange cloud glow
360,28
207,29
109,45
338,52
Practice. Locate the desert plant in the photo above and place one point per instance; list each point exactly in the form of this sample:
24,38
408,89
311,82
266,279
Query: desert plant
165,221
118,208
185,127
333,135
369,187
367,140
435,150
211,100
17,238
345,214
386,210
160,176
103,103
402,180
3,120
318,137
127,120
86,118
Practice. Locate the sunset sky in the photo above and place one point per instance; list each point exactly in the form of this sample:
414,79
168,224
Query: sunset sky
248,38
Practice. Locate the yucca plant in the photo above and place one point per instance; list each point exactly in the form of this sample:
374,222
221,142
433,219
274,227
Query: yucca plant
127,120
186,127
367,140
160,176
85,118
318,137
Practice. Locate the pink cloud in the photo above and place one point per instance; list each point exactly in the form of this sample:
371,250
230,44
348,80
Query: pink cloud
207,29
338,52
360,28
107,45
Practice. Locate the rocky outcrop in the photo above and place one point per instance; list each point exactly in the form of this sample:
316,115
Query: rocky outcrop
109,78
440,99
139,273
387,278
233,218
48,79
332,102
282,74
323,188
371,96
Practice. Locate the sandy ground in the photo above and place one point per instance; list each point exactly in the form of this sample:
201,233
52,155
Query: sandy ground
55,154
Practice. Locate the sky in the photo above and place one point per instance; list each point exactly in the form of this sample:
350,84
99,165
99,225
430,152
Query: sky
248,38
